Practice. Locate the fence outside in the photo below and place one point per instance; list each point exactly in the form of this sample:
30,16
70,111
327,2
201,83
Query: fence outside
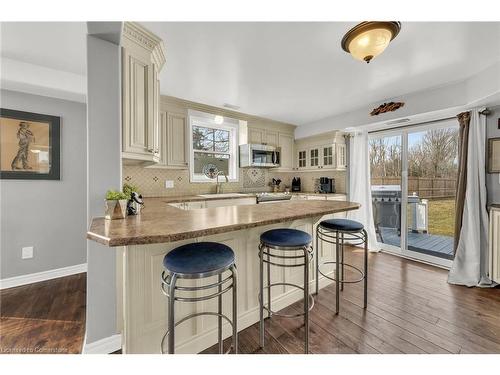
424,187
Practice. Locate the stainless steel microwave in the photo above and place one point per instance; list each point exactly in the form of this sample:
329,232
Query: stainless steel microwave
255,155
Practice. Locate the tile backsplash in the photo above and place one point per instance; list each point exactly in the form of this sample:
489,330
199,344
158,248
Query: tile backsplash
151,181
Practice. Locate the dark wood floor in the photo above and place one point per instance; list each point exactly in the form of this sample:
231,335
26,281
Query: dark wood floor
45,317
411,309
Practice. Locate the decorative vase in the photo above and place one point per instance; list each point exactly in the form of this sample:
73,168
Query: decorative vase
115,209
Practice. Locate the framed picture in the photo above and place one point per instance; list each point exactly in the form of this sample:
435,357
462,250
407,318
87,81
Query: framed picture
29,145
494,155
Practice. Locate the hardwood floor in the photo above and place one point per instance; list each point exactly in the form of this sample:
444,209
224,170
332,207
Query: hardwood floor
44,317
411,309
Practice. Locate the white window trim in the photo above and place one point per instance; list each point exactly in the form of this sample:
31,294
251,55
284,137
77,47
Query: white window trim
229,124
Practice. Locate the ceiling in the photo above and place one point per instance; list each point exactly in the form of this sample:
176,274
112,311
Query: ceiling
293,72
56,45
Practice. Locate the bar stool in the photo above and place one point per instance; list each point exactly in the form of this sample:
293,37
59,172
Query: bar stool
337,232
285,248
197,261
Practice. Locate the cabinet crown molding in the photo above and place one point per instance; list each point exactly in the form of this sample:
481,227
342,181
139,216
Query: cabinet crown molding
138,34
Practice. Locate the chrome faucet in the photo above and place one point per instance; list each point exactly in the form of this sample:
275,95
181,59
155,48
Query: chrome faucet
218,186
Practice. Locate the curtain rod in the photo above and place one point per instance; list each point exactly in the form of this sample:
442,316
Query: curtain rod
484,112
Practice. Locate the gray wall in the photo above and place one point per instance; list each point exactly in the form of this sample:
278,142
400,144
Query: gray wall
104,172
492,131
49,215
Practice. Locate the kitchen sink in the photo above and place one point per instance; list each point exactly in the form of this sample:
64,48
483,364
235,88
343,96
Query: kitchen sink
222,195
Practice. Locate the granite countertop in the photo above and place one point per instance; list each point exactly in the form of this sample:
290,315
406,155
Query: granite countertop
160,222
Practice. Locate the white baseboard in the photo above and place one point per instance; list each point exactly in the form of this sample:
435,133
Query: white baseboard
104,346
42,276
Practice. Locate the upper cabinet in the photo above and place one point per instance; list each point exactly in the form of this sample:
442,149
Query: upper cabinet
143,56
327,151
173,138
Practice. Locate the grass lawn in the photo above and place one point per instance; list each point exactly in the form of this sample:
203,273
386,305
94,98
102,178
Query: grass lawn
442,217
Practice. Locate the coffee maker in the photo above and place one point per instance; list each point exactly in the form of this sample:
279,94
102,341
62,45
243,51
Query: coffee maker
326,185
296,184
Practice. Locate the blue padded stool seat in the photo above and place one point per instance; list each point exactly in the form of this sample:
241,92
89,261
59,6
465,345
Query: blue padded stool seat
342,224
199,258
285,237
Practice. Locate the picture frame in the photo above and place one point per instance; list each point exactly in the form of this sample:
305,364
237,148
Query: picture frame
29,145
494,155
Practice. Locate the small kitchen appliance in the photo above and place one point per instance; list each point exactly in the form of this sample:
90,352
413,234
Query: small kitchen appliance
255,155
296,184
326,185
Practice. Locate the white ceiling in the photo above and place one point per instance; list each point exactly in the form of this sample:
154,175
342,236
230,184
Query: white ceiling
294,72
55,45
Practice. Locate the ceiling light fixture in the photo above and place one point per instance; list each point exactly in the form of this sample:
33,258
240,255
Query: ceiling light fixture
219,119
370,38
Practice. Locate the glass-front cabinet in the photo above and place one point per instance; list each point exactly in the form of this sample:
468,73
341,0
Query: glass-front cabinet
325,151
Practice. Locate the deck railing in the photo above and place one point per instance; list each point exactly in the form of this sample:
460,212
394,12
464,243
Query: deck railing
424,187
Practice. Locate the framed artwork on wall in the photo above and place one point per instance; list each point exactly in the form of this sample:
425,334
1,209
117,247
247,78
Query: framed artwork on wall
494,155
29,145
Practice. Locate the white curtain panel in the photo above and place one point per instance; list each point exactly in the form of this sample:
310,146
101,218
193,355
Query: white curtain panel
470,265
360,186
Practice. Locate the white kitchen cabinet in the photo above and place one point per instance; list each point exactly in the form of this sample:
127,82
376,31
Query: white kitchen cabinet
286,144
256,136
314,153
143,56
173,141
341,155
271,138
176,140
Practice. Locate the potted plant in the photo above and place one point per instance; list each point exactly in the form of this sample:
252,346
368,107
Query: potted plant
115,205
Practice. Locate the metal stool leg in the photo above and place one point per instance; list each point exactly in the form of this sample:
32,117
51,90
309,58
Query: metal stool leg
342,262
268,286
235,310
171,315
261,302
365,302
337,273
317,261
219,303
306,300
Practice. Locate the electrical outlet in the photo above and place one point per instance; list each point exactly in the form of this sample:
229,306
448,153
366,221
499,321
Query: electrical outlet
27,252
169,184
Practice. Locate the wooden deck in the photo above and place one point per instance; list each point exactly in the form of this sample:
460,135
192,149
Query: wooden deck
431,244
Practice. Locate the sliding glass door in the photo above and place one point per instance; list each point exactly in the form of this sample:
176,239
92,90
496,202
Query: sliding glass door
413,178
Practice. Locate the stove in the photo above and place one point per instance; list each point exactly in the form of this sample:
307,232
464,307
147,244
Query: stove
273,197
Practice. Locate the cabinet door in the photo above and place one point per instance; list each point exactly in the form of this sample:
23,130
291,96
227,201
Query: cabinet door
314,157
302,159
256,135
327,156
137,79
285,142
341,155
163,135
271,138
176,139
156,118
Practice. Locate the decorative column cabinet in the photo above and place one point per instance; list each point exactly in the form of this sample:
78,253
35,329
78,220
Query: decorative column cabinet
143,56
494,243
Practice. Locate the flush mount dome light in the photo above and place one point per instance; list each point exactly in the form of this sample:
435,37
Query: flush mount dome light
218,119
369,39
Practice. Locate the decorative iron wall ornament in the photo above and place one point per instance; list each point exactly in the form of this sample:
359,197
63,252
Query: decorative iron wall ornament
386,107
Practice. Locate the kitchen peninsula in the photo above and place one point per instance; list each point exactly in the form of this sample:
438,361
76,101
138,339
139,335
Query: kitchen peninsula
142,241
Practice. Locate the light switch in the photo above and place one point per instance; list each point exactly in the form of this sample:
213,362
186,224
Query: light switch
27,252
169,184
